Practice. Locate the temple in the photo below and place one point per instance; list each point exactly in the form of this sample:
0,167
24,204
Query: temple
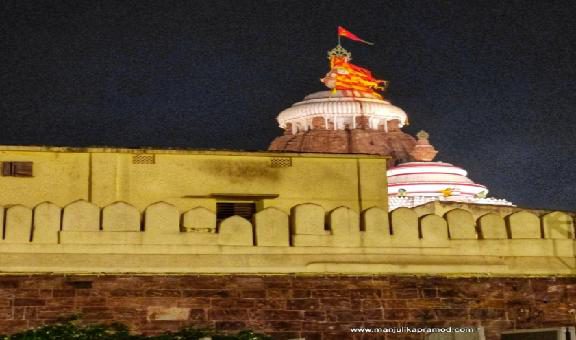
347,222
353,117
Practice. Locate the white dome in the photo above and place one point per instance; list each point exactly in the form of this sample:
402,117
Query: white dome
430,179
340,108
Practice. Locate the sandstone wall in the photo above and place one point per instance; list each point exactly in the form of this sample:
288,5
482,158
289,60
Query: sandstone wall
118,238
355,269
289,306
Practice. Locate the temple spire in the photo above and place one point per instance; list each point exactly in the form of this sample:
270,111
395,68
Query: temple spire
423,151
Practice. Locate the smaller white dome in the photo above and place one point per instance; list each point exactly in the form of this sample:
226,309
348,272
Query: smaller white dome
340,108
431,179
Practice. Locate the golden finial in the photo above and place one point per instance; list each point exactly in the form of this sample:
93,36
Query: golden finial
423,135
339,51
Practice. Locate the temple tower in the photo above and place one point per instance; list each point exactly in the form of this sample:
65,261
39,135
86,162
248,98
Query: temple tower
353,117
350,117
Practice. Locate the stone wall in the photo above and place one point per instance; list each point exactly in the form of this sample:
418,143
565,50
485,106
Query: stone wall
84,238
500,272
439,207
289,306
191,178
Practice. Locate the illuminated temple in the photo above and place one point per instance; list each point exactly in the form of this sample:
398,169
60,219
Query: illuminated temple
297,244
352,117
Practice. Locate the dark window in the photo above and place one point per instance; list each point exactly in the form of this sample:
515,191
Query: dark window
17,169
227,209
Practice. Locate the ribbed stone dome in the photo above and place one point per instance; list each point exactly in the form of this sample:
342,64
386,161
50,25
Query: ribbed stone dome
431,179
340,110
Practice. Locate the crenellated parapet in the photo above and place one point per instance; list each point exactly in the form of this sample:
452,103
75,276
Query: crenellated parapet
82,237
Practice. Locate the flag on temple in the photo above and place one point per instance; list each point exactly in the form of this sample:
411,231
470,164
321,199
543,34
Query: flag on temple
342,32
353,77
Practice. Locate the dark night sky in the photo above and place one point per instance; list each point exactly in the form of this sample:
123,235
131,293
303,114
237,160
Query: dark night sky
493,82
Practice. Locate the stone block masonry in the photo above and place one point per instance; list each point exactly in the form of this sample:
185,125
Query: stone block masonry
289,306
83,238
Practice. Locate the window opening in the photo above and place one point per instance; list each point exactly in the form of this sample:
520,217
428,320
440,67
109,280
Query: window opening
228,209
17,169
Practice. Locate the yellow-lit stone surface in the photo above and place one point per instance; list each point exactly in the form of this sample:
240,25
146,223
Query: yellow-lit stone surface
176,191
59,177
199,219
492,226
120,216
308,226
434,230
309,219
2,212
345,227
461,224
104,238
81,216
373,194
231,248
199,238
271,228
404,226
162,218
558,225
191,178
523,224
18,226
312,240
442,207
235,231
47,217
376,227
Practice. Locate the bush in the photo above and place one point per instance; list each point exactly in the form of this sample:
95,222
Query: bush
72,329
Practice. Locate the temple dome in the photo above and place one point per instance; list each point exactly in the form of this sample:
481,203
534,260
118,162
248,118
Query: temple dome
352,117
340,110
415,183
431,179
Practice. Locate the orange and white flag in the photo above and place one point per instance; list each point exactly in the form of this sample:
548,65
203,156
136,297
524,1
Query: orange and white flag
342,32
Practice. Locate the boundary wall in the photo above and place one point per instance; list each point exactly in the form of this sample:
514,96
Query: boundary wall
84,238
289,306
